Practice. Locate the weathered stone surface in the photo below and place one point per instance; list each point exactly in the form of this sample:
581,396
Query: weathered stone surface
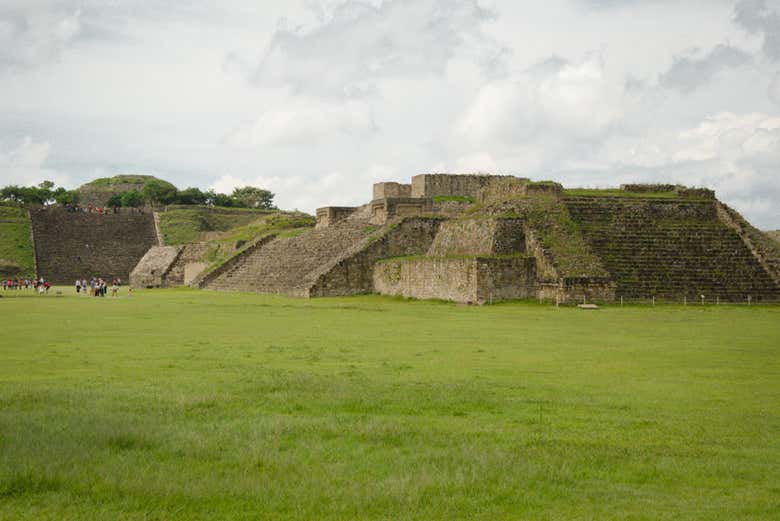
435,185
391,190
352,274
672,249
459,279
507,188
190,255
384,210
330,215
71,245
524,239
492,236
291,265
192,270
151,269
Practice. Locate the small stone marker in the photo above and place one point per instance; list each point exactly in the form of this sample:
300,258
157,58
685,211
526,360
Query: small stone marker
587,306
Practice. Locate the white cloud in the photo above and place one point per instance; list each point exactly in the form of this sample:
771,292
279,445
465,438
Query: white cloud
357,44
479,162
35,34
25,164
694,69
302,192
735,154
305,121
573,101
761,17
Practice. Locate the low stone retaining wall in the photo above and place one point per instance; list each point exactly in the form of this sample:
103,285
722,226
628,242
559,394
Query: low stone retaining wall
460,279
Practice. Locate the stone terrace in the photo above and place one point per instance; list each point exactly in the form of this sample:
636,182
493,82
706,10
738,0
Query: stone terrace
75,245
671,249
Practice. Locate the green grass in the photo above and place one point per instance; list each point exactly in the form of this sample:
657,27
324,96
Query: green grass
15,244
235,240
181,225
179,404
617,192
107,182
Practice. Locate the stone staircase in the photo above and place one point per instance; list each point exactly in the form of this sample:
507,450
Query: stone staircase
291,265
671,249
71,245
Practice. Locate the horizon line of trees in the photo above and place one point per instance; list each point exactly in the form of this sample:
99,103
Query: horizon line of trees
153,193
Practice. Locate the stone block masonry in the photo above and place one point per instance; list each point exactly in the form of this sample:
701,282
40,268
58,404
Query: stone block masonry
187,265
384,210
474,280
151,269
672,249
435,185
169,266
479,237
391,190
71,245
352,274
330,215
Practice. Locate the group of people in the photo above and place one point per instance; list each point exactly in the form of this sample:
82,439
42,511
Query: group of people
97,287
40,285
74,208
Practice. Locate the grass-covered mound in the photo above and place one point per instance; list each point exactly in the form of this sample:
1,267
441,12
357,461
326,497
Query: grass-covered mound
184,224
16,249
203,405
99,191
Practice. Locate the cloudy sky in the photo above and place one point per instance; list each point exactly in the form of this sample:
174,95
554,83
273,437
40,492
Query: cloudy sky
318,99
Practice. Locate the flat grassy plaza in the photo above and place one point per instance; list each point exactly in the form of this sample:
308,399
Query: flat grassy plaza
183,404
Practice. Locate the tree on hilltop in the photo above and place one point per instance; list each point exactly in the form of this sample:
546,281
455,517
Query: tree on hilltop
191,195
133,199
157,192
253,197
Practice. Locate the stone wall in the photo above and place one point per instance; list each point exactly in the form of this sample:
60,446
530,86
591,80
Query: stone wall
680,190
428,278
391,190
433,185
674,248
460,279
78,245
495,236
577,290
353,274
330,215
505,278
507,188
151,269
191,255
384,210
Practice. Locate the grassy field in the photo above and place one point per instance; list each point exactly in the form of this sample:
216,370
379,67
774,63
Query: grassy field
178,404
15,244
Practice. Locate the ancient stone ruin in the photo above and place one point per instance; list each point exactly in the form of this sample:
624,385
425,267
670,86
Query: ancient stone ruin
481,238
70,245
169,266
